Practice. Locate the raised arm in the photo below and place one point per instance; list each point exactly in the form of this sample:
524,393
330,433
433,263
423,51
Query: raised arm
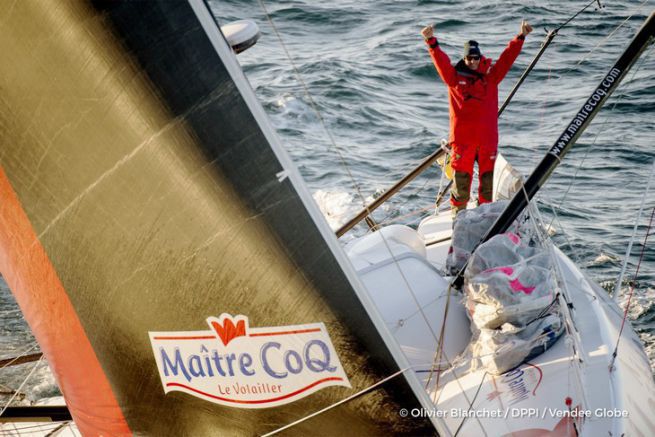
439,58
511,52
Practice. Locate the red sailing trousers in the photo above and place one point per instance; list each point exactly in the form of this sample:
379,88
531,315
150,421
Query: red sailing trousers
463,159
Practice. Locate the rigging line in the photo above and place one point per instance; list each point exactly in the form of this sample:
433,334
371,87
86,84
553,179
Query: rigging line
575,348
544,45
316,110
437,360
537,223
412,165
438,201
347,168
21,386
585,57
399,207
440,344
410,214
409,287
574,252
32,429
574,341
343,161
632,289
314,106
542,112
441,337
601,129
420,190
565,234
571,368
459,428
424,316
400,322
577,13
542,116
336,404
558,275
418,305
439,351
471,360
617,288
442,190
19,356
544,312
55,431
540,231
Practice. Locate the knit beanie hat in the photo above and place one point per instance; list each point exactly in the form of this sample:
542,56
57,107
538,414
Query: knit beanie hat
471,48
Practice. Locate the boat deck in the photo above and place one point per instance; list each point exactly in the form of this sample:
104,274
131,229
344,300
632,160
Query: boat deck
567,390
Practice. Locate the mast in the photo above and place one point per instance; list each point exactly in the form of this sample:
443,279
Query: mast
571,133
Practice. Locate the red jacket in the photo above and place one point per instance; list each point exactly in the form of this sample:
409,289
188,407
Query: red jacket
473,95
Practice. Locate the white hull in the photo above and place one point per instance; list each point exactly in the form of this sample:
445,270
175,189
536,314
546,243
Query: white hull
531,399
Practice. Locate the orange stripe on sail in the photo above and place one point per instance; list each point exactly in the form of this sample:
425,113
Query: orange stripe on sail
54,322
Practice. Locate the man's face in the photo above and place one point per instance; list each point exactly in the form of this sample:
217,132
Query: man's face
472,61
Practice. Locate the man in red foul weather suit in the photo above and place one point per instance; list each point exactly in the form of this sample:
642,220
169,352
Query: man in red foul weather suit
473,96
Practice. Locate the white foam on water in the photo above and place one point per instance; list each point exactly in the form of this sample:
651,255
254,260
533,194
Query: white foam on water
39,385
604,258
337,206
550,229
290,110
649,345
642,302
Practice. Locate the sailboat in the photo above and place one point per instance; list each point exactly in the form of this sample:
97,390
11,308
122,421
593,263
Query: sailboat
181,280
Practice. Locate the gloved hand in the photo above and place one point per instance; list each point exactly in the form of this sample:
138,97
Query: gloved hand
427,32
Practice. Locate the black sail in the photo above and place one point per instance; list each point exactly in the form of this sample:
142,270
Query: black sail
160,197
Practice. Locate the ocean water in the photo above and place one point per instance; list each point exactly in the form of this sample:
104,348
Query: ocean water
377,108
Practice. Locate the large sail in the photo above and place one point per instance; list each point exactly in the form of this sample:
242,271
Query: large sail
162,246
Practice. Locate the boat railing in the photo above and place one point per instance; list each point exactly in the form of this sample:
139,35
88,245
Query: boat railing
563,296
365,213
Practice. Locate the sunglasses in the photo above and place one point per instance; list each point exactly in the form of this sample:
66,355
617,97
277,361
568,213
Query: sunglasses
473,58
